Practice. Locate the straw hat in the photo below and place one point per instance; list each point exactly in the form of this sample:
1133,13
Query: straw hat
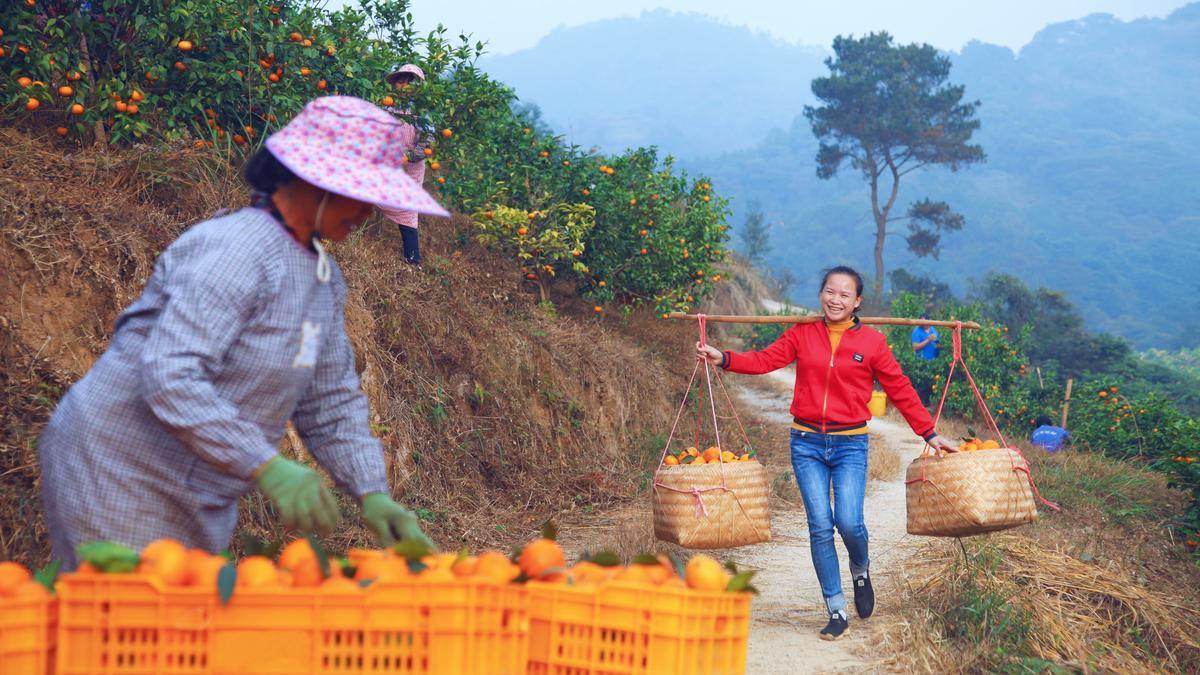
408,69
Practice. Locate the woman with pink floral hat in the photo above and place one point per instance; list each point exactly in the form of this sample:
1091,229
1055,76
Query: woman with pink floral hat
240,329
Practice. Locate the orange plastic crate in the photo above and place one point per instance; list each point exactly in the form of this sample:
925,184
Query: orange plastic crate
129,624
27,635
626,629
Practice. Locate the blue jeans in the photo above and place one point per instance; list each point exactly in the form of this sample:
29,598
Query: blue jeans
821,460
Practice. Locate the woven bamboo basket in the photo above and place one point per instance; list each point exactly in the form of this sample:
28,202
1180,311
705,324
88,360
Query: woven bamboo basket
968,493
712,517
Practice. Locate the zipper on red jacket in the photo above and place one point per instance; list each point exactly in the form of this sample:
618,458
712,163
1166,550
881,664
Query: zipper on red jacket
828,373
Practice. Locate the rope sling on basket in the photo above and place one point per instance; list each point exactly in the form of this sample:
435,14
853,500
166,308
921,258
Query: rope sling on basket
719,504
968,493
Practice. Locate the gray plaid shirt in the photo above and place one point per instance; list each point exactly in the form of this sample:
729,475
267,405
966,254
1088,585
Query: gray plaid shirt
233,336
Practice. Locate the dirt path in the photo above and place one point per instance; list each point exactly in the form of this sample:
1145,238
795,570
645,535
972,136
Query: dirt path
790,612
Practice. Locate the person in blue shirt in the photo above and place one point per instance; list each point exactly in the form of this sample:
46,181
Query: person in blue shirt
925,341
1048,436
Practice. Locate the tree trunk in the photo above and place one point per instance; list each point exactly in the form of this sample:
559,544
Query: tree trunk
880,235
89,68
881,218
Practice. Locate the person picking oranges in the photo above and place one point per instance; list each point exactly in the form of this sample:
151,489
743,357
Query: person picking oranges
417,137
240,329
837,362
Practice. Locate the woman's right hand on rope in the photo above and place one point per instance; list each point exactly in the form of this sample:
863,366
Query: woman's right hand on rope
710,353
942,445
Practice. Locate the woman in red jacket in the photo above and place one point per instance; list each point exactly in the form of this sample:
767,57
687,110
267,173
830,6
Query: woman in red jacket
837,362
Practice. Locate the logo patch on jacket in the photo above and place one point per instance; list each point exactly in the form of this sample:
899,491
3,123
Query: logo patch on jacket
858,357
310,344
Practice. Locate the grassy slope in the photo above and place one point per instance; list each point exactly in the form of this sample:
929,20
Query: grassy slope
494,413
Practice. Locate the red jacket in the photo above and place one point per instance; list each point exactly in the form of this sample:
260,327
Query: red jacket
832,390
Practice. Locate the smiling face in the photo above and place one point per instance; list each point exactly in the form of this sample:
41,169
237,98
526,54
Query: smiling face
839,297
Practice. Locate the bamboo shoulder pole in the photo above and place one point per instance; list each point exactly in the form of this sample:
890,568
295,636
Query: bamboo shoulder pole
1067,403
879,320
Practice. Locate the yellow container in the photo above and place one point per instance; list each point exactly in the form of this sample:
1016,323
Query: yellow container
878,404
131,624
27,634
635,629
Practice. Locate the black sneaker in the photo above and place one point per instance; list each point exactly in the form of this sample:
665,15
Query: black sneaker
864,596
837,627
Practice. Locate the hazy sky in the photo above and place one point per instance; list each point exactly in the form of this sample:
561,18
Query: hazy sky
512,25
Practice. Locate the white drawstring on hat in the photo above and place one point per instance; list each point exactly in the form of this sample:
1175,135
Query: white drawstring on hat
324,271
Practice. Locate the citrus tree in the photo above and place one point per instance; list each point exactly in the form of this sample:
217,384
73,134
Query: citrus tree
544,242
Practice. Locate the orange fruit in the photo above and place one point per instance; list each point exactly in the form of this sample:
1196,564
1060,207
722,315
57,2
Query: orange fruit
86,569
61,131
185,45
465,567
305,71
203,568
11,575
32,104
522,231
671,460
65,90
674,582
446,133
321,84
295,553
165,559
339,584
180,66
296,37
728,456
388,101
989,444
121,106
330,51
441,180
693,451
496,567
600,284
712,453
24,81
131,108
704,573
698,461
437,575
428,152
435,165
969,446
307,43
29,590
636,574
539,556
745,457
257,571
239,139
136,96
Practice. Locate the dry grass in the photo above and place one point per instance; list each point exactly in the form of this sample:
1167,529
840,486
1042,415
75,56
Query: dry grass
1006,602
1097,586
495,414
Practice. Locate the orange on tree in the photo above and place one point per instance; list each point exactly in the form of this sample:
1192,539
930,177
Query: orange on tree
132,109
24,81
296,37
435,165
321,84
65,90
447,133
73,76
121,106
428,152
597,309
441,180
185,45
61,131
180,66
77,109
32,104
388,101
136,96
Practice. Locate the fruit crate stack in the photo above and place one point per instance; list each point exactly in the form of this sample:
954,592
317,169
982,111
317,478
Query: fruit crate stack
28,614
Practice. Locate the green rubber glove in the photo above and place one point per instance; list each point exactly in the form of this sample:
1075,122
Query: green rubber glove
297,493
390,521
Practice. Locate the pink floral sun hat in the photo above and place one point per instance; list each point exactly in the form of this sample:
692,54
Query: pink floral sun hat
351,147
408,68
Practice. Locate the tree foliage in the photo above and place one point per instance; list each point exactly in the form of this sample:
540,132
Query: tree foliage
889,110
755,234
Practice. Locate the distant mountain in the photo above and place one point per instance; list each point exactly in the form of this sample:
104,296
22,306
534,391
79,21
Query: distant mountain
683,82
1092,132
